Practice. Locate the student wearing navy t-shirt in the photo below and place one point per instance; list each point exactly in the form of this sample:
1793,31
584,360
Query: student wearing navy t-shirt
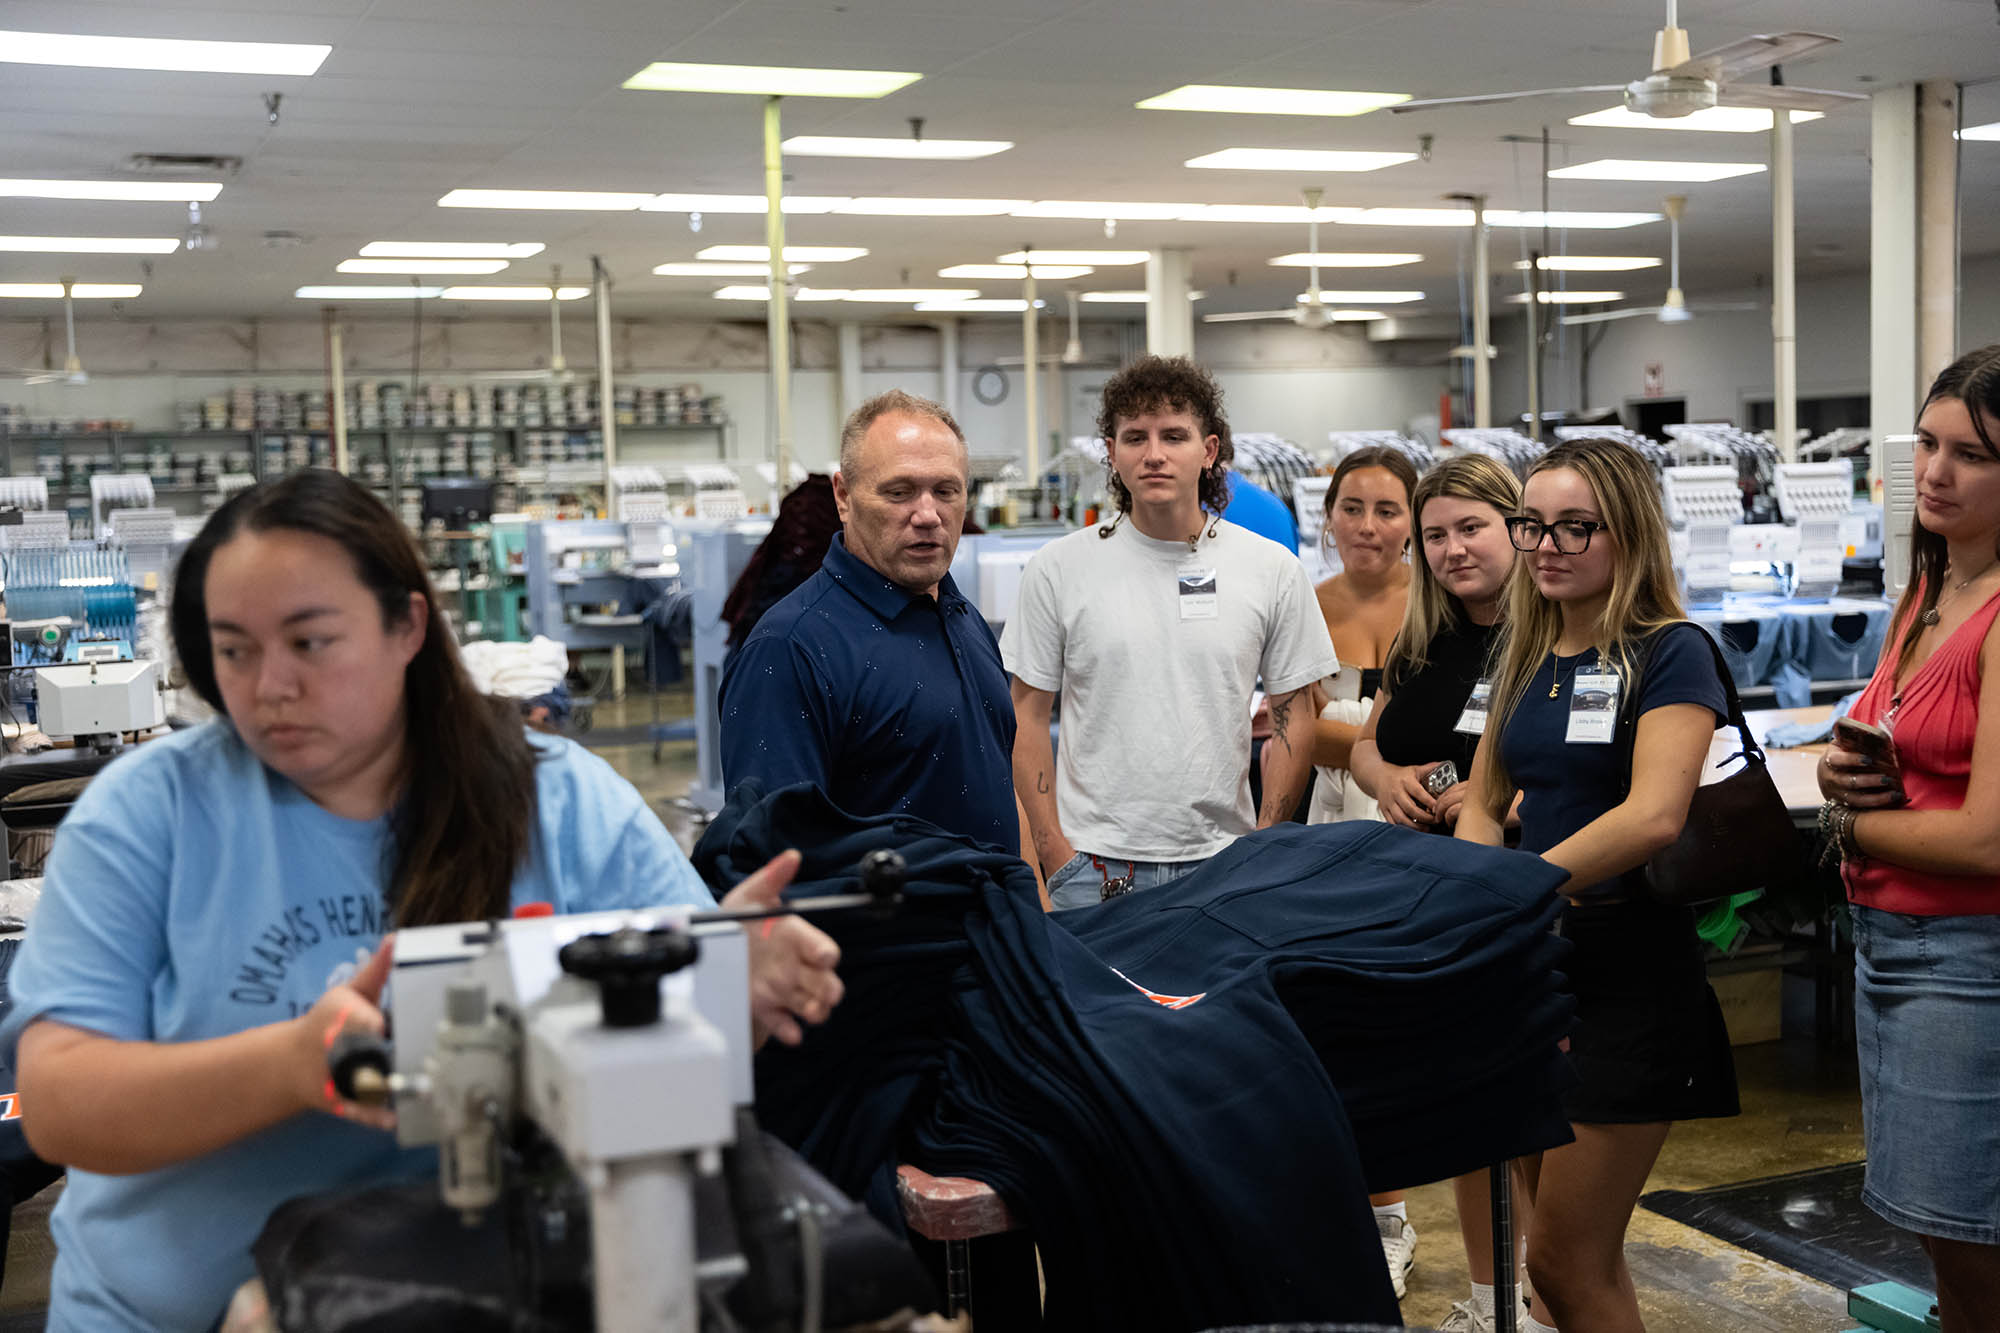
1595,595
216,906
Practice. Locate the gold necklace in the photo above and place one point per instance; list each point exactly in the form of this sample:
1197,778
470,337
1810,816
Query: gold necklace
1930,617
1556,684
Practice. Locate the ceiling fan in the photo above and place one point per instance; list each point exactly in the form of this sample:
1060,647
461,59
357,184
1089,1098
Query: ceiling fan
72,371
1313,312
1681,85
1071,354
557,371
1675,309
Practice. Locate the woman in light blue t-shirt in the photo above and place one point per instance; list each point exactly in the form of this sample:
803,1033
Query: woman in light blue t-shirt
217,905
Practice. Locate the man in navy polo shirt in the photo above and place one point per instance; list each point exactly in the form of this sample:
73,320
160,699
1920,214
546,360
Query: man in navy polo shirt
875,680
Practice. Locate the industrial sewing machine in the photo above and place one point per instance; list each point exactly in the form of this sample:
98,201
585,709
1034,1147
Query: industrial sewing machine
623,1040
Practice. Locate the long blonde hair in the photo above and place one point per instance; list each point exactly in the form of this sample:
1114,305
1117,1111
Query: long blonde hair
1432,609
1644,593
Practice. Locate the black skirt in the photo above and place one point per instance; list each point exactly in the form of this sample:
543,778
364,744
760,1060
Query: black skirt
1649,1043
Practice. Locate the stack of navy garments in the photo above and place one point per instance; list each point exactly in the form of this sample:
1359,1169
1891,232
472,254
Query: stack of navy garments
1421,970
1157,1086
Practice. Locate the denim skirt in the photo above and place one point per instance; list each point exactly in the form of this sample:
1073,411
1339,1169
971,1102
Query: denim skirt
1927,1030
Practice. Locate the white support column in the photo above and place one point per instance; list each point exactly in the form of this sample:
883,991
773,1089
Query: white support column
850,367
1169,313
778,308
1937,230
1482,318
1784,295
1031,376
1892,272
948,363
336,388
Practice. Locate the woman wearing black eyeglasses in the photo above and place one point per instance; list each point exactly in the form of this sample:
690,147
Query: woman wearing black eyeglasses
1593,612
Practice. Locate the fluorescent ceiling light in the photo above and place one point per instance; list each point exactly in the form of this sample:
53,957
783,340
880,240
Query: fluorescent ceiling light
747,293
91,245
879,295
1495,217
197,192
1127,298
740,203
359,293
950,150
1590,263
1408,217
1281,213
1056,272
1269,101
1720,119
710,268
1632,169
665,76
803,254
1089,210
1094,258
56,48
1987,133
598,200
1507,217
426,266
913,295
1298,159
982,305
1343,259
451,249
930,208
82,291
1567,298
513,293
1373,298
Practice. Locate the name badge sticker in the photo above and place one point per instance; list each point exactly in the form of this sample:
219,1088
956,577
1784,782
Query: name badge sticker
1197,592
1593,709
1472,722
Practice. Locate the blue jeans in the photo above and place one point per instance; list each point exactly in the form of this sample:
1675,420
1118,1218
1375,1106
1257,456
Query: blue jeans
1926,1006
1085,881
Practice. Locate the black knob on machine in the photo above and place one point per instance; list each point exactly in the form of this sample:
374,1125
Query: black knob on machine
627,966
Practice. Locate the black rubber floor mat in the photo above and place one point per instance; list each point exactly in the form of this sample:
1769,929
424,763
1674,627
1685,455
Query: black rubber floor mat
1813,1221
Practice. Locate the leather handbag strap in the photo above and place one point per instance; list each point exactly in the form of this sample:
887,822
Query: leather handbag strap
1628,706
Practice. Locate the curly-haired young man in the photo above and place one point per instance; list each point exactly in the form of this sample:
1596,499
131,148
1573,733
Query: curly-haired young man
1156,628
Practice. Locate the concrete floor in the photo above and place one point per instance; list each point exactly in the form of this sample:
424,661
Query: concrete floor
1800,1109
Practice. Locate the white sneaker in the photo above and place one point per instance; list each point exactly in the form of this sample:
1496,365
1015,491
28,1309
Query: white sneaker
1464,1319
1399,1249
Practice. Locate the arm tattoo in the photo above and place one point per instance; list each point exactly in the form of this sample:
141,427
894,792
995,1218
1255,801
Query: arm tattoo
1281,713
1042,784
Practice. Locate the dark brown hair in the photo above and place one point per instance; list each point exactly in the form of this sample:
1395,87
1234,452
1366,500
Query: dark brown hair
1389,460
1973,379
1168,384
461,828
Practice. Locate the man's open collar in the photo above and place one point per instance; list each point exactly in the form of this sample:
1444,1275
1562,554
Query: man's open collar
874,590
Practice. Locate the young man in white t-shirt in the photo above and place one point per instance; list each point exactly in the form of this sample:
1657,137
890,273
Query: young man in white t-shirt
1156,629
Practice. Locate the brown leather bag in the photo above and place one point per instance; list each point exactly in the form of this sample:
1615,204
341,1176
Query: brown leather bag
1738,835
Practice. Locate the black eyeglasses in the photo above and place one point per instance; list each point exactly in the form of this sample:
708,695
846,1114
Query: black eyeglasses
1571,535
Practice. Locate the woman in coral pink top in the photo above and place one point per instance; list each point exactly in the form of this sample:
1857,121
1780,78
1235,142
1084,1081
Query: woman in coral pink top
1917,822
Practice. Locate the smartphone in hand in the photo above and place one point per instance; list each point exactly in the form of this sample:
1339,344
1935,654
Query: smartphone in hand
1863,738
1874,742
